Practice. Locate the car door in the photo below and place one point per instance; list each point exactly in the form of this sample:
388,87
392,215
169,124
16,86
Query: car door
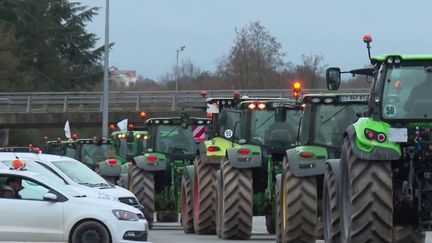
31,218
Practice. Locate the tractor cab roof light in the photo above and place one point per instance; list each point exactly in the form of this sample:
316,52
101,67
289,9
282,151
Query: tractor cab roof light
316,100
328,100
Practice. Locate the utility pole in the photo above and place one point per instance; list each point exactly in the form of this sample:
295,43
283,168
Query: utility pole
106,77
177,65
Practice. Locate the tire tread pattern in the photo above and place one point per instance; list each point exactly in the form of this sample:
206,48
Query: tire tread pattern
301,207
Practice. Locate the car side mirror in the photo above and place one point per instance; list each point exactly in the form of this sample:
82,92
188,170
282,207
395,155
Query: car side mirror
333,78
50,197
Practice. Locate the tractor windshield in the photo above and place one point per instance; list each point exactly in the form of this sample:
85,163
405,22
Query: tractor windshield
274,127
407,92
331,122
92,153
175,140
126,147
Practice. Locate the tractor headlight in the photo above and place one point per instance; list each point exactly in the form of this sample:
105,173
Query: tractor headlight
125,215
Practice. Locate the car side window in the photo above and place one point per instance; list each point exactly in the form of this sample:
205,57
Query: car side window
16,187
32,190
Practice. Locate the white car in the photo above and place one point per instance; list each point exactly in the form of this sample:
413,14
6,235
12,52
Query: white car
49,211
76,174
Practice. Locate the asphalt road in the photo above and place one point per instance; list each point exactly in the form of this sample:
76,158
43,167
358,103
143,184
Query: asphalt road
172,232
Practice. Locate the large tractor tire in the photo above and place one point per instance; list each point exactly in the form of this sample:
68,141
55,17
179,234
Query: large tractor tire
278,209
142,185
219,203
300,201
270,224
237,203
187,205
407,235
204,211
167,216
367,199
330,210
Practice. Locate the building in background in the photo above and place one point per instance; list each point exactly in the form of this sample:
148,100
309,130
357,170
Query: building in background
123,77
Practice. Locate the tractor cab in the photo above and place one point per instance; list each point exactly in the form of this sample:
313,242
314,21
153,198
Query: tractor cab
61,147
92,151
271,124
176,137
324,118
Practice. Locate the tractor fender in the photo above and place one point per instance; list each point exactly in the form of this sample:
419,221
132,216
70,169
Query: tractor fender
334,165
159,165
376,153
302,167
202,152
105,169
241,161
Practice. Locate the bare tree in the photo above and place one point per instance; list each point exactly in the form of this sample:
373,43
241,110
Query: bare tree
254,59
311,71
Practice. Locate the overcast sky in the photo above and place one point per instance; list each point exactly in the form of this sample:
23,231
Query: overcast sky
147,33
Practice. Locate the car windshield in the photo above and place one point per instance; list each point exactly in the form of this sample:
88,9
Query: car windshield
80,173
35,167
92,153
331,122
175,140
274,127
407,92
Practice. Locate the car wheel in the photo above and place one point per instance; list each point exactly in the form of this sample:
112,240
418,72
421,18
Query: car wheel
90,232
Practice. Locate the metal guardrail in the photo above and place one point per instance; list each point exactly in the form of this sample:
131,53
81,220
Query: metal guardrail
54,102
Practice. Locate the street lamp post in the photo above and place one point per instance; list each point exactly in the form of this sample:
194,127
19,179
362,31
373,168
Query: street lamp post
177,65
106,77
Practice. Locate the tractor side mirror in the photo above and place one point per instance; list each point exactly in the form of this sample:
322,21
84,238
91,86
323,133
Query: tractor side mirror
333,78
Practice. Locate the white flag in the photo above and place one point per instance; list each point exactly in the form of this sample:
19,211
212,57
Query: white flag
67,130
122,125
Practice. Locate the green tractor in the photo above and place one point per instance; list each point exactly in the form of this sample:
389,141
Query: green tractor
156,177
381,188
197,186
257,140
298,192
60,147
91,151
132,142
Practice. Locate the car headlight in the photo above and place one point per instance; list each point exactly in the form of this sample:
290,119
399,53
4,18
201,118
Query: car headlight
125,215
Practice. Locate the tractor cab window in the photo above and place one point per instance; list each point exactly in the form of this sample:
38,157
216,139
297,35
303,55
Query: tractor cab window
407,92
172,139
331,122
227,124
93,153
274,127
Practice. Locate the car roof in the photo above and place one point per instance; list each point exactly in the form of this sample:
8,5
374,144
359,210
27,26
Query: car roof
21,173
45,157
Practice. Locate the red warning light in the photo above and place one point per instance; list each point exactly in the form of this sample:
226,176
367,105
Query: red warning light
203,93
112,161
143,114
18,164
130,126
74,136
367,38
112,126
